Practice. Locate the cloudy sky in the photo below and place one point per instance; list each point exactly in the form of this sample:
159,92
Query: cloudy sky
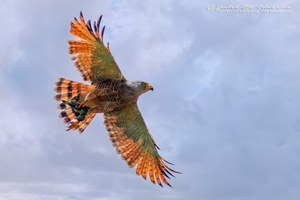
225,110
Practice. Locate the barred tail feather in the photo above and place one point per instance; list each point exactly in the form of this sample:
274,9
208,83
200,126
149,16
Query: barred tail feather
67,114
74,123
77,116
83,124
68,89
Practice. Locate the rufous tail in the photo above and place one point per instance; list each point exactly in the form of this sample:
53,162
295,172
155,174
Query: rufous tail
75,114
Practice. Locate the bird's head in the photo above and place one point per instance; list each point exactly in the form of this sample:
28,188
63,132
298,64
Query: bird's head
141,87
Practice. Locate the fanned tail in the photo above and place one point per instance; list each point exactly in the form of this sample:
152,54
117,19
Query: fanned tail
74,113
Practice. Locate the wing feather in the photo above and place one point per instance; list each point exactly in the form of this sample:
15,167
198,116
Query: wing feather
157,176
93,58
145,166
130,136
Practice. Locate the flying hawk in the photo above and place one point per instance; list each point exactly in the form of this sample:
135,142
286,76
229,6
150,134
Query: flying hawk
114,96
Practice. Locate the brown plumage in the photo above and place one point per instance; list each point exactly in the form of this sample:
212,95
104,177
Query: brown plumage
111,94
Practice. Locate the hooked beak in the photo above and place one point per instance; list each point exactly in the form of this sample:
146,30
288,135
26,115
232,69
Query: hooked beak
149,87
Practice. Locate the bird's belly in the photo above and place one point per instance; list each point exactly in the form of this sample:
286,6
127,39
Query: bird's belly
109,102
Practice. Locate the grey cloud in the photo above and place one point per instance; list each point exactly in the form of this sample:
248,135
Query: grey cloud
224,110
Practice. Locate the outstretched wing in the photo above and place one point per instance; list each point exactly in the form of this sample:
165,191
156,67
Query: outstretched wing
93,58
130,136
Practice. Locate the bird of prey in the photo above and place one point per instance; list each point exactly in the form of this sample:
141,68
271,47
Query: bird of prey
113,95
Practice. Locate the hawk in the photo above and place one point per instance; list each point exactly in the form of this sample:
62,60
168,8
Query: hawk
114,96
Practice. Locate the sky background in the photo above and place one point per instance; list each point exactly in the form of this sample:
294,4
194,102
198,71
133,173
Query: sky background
225,108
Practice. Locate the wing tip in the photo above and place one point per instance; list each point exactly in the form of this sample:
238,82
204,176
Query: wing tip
102,32
168,184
